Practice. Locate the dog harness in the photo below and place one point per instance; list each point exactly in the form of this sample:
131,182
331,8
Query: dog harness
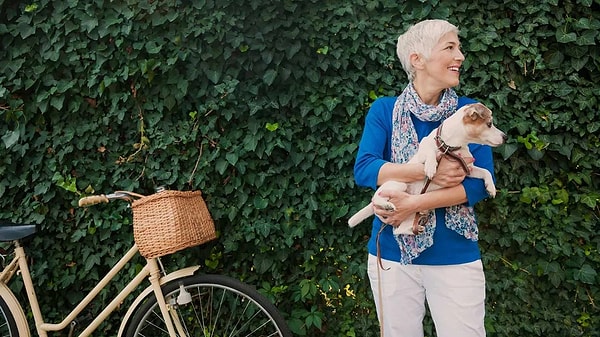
449,152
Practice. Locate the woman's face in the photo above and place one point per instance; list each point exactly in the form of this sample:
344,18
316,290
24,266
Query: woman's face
442,69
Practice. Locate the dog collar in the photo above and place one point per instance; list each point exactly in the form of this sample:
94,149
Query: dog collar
441,145
448,150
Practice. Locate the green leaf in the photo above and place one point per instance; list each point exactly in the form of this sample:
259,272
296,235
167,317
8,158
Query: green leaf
25,30
272,126
330,103
340,212
554,59
221,166
213,75
507,150
293,49
564,37
57,102
586,274
269,76
152,47
314,319
588,38
263,264
10,138
31,8
488,37
591,200
297,326
232,158
263,228
260,203
89,23
91,261
535,154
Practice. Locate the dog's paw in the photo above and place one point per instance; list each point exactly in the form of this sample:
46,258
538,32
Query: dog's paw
386,205
491,189
430,169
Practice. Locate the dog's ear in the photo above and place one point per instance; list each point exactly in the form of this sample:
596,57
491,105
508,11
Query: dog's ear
478,110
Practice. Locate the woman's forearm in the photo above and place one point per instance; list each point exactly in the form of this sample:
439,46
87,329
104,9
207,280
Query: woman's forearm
400,172
407,205
439,198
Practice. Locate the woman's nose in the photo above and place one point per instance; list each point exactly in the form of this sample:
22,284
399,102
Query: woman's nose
459,55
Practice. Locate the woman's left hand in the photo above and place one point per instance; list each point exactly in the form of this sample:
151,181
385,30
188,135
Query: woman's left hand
404,207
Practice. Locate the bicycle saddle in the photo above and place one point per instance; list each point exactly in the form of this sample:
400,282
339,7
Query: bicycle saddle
11,231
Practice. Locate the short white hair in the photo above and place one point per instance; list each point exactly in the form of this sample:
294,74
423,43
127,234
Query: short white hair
420,39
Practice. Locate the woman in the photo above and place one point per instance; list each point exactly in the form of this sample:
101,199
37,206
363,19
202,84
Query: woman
442,265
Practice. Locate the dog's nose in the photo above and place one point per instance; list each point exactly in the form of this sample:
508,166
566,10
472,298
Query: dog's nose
504,137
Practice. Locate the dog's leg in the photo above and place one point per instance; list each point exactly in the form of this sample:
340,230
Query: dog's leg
426,154
431,164
384,203
406,227
379,201
478,172
361,215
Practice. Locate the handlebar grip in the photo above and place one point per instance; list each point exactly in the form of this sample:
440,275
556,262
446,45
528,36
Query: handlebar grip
92,200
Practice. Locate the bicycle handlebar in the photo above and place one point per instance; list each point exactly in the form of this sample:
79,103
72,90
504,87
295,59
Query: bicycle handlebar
92,200
105,198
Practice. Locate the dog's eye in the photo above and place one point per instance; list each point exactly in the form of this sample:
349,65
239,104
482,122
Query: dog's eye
489,125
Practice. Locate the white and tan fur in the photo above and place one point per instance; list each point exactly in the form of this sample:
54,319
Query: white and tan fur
471,124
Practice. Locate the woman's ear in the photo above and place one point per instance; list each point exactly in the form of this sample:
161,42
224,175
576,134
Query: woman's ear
417,60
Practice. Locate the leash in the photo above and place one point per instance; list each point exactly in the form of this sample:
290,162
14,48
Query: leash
379,287
419,221
448,152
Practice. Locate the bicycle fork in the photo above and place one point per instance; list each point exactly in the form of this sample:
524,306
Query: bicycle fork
154,278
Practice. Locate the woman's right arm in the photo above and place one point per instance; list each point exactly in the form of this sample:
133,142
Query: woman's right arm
374,147
400,172
373,167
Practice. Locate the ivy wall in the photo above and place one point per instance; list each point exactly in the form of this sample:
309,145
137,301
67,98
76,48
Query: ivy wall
260,104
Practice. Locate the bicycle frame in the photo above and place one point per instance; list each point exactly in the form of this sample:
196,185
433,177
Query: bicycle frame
151,271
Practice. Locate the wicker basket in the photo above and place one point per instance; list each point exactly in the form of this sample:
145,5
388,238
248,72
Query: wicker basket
169,221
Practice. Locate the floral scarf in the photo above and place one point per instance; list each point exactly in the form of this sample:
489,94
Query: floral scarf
459,218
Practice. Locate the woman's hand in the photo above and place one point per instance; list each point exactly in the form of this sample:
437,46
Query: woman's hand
450,172
405,207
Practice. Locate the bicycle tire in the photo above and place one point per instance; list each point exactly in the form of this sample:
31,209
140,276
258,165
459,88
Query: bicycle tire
220,306
8,325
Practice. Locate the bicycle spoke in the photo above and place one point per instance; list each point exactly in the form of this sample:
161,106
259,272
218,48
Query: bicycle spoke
159,325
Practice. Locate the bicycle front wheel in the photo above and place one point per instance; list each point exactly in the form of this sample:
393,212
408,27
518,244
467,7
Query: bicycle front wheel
217,305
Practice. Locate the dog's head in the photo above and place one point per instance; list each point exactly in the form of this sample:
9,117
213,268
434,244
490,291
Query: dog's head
479,125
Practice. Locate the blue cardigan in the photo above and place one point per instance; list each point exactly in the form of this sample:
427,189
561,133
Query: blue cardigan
375,150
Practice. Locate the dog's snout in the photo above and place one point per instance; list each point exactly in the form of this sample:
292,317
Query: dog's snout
504,137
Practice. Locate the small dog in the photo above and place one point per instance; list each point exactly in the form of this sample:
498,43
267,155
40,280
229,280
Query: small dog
471,123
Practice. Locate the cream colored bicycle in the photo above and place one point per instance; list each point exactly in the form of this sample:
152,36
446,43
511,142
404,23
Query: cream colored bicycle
176,304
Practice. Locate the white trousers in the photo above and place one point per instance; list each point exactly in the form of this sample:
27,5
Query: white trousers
455,295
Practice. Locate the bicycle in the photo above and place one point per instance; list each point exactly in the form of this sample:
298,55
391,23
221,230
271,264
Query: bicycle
181,303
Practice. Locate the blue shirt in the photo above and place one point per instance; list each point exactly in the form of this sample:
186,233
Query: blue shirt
374,150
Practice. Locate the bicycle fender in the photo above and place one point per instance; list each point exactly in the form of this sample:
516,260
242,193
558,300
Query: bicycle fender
16,310
163,280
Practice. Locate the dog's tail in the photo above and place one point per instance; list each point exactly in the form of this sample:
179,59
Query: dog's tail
361,215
